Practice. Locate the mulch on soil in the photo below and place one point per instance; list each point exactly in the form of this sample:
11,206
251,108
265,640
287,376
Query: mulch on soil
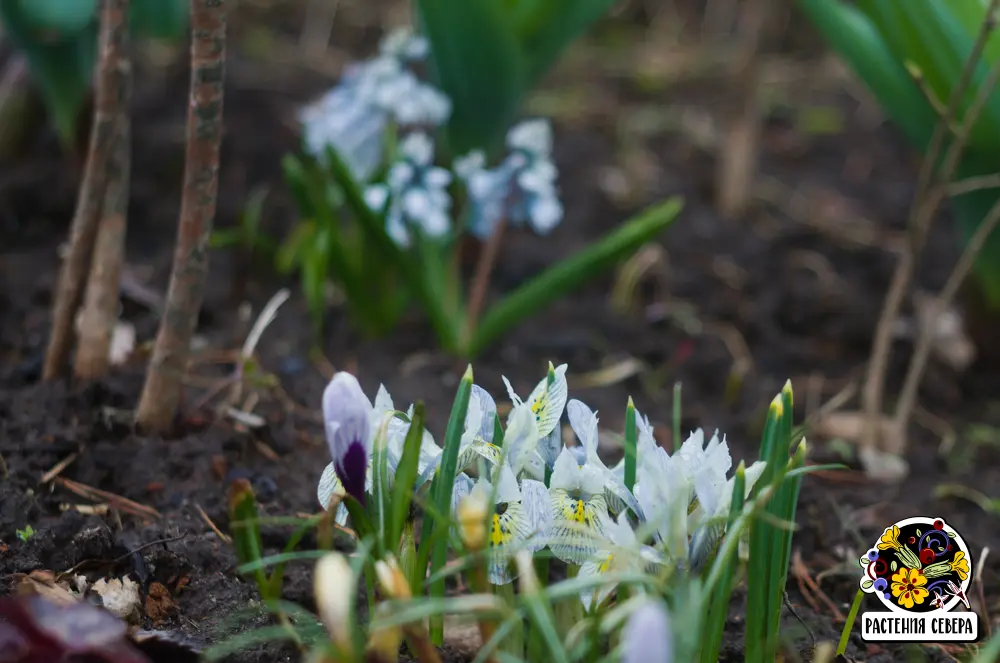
793,290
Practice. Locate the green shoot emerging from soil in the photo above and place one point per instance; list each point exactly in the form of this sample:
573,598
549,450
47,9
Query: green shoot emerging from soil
560,555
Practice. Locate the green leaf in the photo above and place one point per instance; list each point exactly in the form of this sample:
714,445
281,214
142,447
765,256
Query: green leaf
441,490
547,31
406,473
855,38
61,63
477,61
245,530
160,19
631,442
66,16
560,279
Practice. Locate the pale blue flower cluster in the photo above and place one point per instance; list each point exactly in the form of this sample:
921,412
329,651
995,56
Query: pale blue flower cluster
353,117
522,188
415,193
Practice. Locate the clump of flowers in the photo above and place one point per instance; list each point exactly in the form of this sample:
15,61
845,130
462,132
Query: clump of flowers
386,196
385,99
546,494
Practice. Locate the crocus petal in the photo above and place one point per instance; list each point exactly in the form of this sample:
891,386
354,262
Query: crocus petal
648,636
348,412
487,411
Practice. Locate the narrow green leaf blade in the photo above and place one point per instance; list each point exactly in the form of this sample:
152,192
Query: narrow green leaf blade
477,61
562,278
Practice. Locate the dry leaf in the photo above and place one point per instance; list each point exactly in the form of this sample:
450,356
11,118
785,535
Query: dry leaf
43,583
120,597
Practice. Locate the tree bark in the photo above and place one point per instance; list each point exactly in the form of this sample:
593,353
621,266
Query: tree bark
162,391
100,308
73,275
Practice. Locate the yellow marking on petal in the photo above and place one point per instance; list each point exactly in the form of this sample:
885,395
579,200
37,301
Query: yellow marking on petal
575,511
606,564
501,533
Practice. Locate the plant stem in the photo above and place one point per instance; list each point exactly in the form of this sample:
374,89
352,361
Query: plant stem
926,202
162,390
481,282
100,306
83,233
908,396
738,160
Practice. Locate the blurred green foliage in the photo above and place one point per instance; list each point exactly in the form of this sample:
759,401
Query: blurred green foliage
59,40
487,54
887,43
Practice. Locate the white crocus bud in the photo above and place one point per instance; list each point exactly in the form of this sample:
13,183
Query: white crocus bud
334,587
647,636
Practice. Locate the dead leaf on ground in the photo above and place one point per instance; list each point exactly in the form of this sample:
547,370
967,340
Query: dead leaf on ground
44,583
120,597
160,605
878,465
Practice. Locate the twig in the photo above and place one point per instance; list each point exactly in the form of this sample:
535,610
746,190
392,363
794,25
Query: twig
100,308
481,280
980,594
58,468
73,274
973,184
162,391
219,533
737,162
117,501
925,339
925,205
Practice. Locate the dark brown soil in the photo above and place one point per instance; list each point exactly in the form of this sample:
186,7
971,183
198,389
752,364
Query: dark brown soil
800,285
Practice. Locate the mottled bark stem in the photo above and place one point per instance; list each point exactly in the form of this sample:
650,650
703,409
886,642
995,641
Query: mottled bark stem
100,304
162,392
737,164
73,274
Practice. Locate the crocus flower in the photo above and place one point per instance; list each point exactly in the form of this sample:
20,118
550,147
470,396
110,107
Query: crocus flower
348,416
648,636
618,550
520,519
331,481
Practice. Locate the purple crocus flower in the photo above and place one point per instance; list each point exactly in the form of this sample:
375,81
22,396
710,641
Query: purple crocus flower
348,413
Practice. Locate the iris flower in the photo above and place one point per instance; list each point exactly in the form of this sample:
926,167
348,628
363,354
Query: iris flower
533,433
520,518
619,550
